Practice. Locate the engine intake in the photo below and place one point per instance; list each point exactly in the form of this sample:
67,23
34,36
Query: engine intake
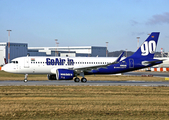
62,74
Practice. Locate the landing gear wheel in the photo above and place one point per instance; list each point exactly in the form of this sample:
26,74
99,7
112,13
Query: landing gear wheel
83,80
26,76
76,79
25,80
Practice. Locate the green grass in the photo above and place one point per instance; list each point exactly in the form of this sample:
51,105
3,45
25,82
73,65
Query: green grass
84,102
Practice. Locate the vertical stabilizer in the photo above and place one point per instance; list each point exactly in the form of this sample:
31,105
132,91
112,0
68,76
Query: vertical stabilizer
148,48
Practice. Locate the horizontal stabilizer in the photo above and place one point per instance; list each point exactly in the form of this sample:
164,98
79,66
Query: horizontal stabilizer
153,62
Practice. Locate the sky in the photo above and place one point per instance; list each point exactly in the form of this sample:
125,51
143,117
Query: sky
85,22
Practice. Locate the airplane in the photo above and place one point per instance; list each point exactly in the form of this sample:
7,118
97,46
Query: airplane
67,68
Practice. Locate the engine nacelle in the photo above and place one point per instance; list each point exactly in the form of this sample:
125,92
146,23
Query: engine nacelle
62,74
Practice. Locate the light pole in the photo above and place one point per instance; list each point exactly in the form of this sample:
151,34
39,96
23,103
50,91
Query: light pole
56,40
138,42
126,52
9,45
161,52
106,48
57,48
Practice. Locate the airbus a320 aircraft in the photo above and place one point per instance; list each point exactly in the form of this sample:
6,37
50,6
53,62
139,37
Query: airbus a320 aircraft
67,68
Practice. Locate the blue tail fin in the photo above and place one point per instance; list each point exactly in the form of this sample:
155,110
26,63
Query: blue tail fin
148,48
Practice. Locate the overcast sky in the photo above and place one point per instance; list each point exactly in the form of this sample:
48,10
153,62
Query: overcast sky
85,22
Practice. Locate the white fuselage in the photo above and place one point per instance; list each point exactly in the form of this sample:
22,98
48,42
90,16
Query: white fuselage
48,65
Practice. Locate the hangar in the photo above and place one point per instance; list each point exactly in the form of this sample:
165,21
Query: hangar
22,49
16,50
80,51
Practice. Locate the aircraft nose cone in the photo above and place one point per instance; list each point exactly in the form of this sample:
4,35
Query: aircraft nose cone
6,68
3,68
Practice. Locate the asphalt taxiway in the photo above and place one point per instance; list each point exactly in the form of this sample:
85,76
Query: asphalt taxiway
95,83
88,83
155,74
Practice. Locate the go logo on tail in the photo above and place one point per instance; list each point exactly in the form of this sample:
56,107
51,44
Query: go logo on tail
148,47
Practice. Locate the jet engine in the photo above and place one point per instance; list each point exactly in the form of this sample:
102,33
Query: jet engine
62,74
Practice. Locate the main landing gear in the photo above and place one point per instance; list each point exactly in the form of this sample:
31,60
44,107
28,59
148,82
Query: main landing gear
26,76
82,79
76,79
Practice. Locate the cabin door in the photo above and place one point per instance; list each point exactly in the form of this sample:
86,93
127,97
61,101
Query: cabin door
26,62
131,63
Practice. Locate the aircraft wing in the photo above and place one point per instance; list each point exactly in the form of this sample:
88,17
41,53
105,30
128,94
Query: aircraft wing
95,67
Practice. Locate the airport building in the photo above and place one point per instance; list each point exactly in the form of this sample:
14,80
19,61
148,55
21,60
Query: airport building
22,49
16,50
80,51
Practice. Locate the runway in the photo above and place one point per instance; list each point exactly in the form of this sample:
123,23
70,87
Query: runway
95,83
89,83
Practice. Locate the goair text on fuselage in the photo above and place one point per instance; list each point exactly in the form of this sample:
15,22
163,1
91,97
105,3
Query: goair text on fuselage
59,61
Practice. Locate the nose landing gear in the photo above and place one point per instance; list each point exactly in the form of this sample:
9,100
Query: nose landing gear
26,76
